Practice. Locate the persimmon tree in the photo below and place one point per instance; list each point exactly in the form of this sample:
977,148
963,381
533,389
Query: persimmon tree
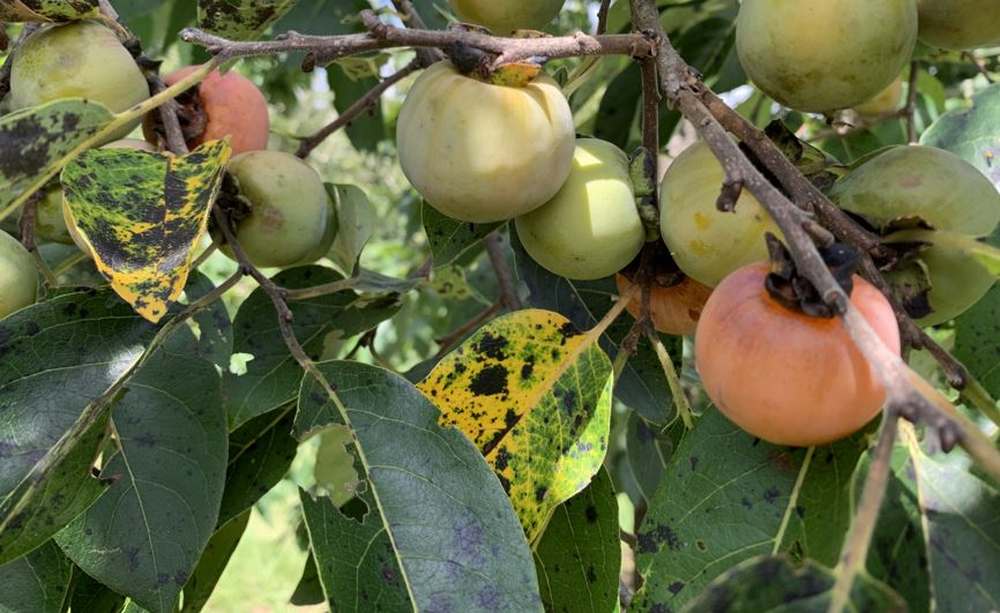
711,288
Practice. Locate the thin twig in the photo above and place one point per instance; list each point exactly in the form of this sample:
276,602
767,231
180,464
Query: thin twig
29,215
910,110
505,277
168,116
411,17
352,112
602,16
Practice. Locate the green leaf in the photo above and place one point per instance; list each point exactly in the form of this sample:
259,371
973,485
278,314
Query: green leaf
534,395
145,536
324,17
92,596
355,561
457,540
47,10
215,330
260,454
37,140
273,376
721,476
961,529
309,589
642,385
213,562
142,215
972,133
240,19
74,347
450,238
774,583
357,220
367,130
37,583
647,451
579,556
977,340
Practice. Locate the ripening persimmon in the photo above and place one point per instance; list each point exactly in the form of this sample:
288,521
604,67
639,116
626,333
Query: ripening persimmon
887,101
591,229
292,220
959,24
675,309
825,55
233,107
505,16
781,375
18,276
480,152
79,60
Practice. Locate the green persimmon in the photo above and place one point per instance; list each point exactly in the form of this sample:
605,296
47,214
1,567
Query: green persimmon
291,220
505,16
80,60
591,229
959,24
480,152
887,101
824,55
18,276
908,184
706,243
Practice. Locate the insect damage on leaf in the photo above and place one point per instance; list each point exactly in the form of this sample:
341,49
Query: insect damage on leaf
47,10
141,215
240,19
534,395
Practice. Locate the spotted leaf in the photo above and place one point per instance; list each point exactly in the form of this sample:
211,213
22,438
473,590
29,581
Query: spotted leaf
240,19
534,395
141,215
47,10
37,139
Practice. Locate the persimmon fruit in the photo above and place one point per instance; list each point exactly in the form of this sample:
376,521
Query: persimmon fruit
675,310
480,152
591,229
959,24
824,55
784,376
505,16
18,276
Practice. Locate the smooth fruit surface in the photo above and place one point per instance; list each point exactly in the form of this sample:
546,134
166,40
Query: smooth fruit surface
824,55
675,310
783,376
18,277
233,107
888,101
959,24
706,243
80,60
292,221
505,16
591,229
479,152
50,223
941,190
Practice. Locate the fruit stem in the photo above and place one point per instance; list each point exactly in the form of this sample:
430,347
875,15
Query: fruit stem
676,390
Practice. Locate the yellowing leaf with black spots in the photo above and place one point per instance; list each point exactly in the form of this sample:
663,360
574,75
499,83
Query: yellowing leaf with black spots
141,215
534,395
47,10
240,19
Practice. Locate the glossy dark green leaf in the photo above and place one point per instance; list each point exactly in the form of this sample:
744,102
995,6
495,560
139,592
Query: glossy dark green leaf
977,340
456,538
579,556
215,330
972,133
367,130
776,584
36,142
309,589
213,563
36,583
240,19
272,378
357,221
648,451
323,17
92,596
642,384
260,454
727,497
449,238
145,536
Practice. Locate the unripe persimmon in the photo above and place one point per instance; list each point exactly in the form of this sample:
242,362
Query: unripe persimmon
480,152
233,107
591,229
18,276
79,60
959,24
888,101
784,376
674,310
505,16
824,55
291,220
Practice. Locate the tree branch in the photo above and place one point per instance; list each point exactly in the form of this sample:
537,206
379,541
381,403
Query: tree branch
508,291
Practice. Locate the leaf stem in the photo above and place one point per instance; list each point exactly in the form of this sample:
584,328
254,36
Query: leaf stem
676,390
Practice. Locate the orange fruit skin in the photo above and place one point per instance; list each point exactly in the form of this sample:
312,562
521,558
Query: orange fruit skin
783,376
675,310
233,106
